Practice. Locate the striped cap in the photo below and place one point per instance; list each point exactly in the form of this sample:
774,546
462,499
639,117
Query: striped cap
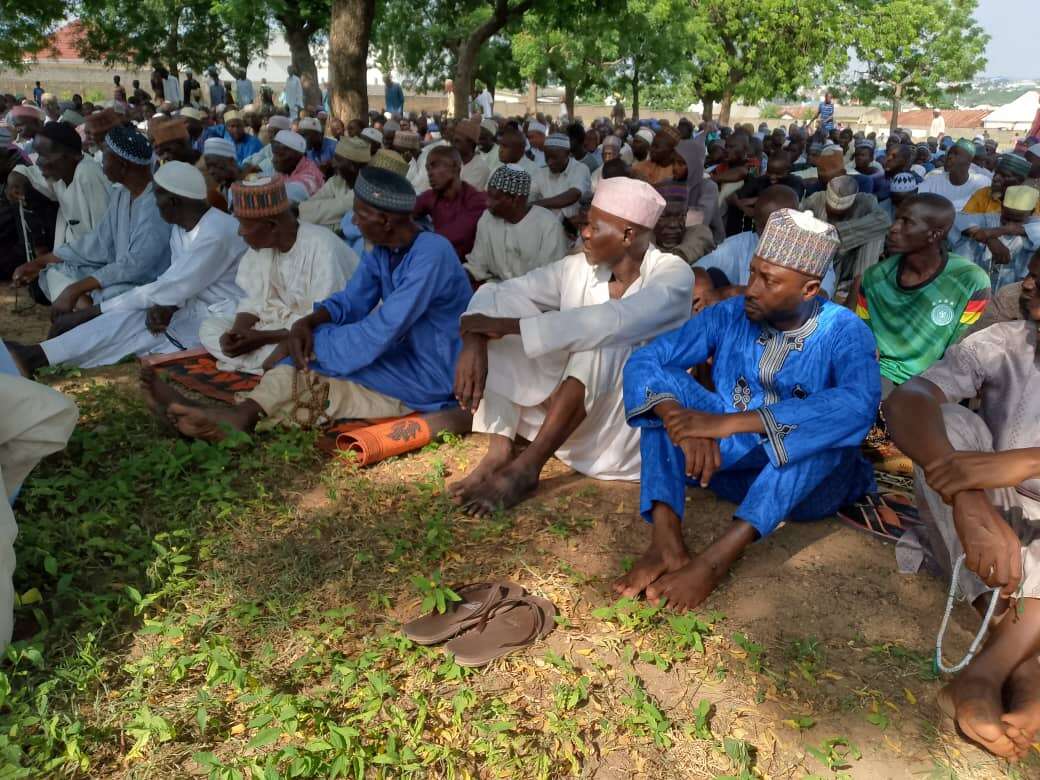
557,141
259,197
510,180
1014,164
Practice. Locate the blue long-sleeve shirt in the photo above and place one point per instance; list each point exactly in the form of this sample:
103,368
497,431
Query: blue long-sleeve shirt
247,147
394,98
815,388
395,327
131,244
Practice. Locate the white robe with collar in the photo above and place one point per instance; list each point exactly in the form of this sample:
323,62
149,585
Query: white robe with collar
570,327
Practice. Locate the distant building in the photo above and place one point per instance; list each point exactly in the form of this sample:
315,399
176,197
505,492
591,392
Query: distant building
1017,116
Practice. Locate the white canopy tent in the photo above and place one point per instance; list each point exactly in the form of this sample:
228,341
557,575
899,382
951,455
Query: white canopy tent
1018,115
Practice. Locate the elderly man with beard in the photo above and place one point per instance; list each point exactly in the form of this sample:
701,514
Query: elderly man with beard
246,145
336,197
797,389
289,156
513,237
62,174
542,353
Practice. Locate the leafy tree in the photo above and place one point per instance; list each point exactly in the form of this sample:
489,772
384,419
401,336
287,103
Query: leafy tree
434,39
25,28
759,49
303,22
917,51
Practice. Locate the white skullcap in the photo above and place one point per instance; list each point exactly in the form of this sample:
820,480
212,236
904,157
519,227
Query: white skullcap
919,170
372,134
646,134
179,178
310,123
558,141
293,140
219,147
490,125
220,107
537,127
279,122
191,113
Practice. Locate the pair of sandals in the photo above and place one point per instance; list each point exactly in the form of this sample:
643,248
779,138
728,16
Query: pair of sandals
493,619
885,516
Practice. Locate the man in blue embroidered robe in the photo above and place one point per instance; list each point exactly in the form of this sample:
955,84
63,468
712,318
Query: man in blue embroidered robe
798,388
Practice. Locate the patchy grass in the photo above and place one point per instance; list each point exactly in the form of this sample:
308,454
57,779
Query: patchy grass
231,611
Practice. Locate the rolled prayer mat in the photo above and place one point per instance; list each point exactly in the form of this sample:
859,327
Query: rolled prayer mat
377,442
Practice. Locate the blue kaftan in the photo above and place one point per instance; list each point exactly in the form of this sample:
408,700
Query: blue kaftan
129,247
395,327
817,390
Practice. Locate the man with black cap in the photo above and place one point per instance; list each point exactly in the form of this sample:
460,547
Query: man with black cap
796,390
384,346
128,247
63,174
162,316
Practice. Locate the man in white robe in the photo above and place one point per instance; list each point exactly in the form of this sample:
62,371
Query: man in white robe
543,353
288,267
513,237
563,182
336,197
475,171
64,175
162,316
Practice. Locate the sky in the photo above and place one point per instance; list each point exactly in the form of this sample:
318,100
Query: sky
1012,38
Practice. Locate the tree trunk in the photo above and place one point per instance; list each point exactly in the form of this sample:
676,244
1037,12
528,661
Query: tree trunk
896,105
532,97
707,107
568,100
299,41
349,35
635,89
726,107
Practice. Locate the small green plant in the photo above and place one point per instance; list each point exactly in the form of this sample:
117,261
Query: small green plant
630,614
836,754
645,717
753,650
434,594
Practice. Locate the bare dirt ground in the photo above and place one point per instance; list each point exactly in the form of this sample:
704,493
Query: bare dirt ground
815,638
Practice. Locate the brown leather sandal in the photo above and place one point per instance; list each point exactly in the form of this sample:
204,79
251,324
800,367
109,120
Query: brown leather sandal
477,601
508,626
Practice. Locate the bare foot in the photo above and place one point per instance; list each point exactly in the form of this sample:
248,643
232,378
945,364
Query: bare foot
465,490
157,393
689,586
206,423
666,553
975,703
502,490
1022,720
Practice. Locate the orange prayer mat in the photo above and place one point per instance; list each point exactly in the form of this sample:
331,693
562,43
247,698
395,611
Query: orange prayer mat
197,370
371,441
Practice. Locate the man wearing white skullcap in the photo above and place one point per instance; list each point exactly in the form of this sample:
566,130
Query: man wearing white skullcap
162,316
553,343
563,182
289,155
796,390
536,133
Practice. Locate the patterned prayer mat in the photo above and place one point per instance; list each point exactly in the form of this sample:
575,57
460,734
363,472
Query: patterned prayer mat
197,370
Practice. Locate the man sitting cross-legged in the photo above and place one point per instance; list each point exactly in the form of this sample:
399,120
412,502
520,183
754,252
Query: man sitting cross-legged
797,390
289,266
162,316
128,247
542,353
384,346
977,482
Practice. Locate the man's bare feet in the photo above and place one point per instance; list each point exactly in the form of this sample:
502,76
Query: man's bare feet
207,423
1022,692
157,393
666,553
498,456
688,587
502,490
28,358
973,701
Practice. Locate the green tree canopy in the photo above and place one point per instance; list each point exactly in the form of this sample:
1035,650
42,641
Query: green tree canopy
25,28
916,51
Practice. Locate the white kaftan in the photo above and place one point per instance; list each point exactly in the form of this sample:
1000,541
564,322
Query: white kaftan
280,288
546,184
328,205
81,204
476,173
570,327
200,282
503,250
